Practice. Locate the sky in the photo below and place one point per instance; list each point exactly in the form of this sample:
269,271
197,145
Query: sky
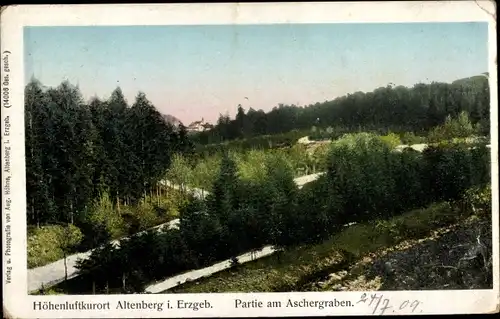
195,72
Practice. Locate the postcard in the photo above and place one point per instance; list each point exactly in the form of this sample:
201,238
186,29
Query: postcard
249,159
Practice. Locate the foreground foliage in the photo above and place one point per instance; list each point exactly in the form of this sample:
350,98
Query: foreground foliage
339,263
365,181
102,224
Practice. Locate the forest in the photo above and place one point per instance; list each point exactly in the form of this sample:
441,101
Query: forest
96,165
394,108
95,172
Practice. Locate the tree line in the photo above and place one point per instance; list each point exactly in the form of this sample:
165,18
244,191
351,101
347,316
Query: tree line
79,152
398,108
366,180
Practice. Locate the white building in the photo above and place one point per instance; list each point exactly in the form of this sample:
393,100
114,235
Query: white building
199,126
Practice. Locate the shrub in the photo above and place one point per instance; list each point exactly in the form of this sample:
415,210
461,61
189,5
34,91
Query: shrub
42,246
145,214
180,172
169,203
417,223
69,237
205,172
410,138
48,243
319,157
103,214
391,139
478,200
251,165
390,230
459,126
50,291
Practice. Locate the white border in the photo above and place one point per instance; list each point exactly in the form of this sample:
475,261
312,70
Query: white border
16,301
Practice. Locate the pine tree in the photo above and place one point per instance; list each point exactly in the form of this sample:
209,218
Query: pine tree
40,204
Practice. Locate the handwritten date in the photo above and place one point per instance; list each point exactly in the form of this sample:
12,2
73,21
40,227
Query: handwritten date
381,305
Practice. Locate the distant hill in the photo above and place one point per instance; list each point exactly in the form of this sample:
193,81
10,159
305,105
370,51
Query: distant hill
171,119
472,80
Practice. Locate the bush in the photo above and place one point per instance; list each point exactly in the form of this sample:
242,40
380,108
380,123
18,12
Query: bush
169,203
105,216
392,140
460,127
409,138
69,237
478,200
43,246
251,165
205,172
417,223
180,172
48,243
390,230
144,215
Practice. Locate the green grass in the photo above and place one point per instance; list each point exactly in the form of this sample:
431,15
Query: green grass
289,270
